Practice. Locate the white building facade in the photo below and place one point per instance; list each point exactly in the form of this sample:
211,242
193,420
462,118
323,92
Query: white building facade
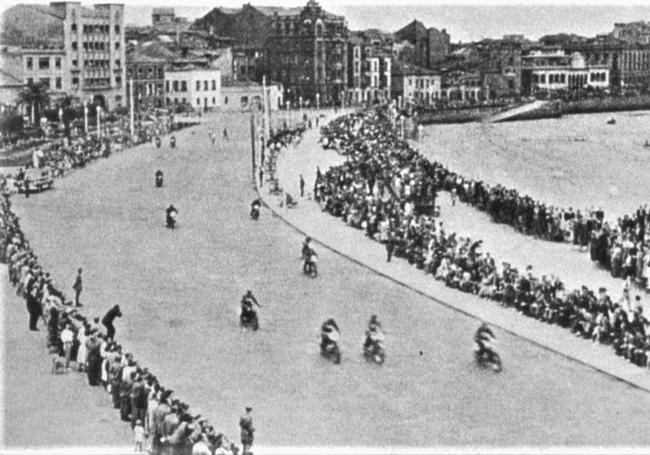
198,88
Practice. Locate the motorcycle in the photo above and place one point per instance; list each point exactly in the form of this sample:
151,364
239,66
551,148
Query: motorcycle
309,266
255,212
488,358
330,350
374,352
158,142
171,220
172,142
159,179
249,319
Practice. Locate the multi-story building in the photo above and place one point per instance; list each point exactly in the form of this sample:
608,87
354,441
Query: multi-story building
369,67
307,54
461,87
146,74
196,87
430,45
44,66
633,32
89,42
499,65
162,17
552,70
415,84
243,95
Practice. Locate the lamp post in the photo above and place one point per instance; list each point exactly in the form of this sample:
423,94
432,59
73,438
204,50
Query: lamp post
86,117
317,101
299,109
131,113
288,106
98,110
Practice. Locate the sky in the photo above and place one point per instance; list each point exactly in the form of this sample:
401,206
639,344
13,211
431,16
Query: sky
464,20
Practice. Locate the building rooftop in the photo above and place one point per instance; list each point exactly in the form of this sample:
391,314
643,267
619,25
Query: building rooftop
408,69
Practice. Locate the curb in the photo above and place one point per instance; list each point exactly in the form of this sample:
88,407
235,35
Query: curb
436,299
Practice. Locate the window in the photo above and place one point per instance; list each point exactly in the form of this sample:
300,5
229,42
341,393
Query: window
75,63
118,81
57,62
198,101
214,101
214,84
175,85
74,45
198,86
85,45
30,80
117,29
75,81
57,83
45,81
73,27
542,78
44,63
117,45
183,86
167,86
225,100
30,63
205,85
118,62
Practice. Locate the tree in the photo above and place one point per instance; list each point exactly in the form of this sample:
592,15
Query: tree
35,94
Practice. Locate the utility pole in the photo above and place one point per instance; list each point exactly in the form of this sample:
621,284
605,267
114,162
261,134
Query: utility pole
131,113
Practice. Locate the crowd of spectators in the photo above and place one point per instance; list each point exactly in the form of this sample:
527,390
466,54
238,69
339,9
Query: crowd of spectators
61,154
162,423
620,246
380,189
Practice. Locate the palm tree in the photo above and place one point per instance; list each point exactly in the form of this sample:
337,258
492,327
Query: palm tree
35,95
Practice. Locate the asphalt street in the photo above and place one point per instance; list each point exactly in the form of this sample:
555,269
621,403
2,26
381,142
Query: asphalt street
179,292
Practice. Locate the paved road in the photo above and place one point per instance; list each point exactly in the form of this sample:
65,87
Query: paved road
180,291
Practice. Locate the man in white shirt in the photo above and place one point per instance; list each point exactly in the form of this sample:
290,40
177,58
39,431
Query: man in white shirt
67,337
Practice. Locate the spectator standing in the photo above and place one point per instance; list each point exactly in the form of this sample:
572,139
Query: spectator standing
302,186
225,134
108,319
94,359
261,176
77,287
67,338
247,431
139,436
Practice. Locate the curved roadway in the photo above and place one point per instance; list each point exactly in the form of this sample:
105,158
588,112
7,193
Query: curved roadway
179,292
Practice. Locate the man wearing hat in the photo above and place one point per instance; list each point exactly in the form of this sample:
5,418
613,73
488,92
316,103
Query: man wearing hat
247,430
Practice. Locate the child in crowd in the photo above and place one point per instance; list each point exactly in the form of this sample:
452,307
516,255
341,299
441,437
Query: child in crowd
139,436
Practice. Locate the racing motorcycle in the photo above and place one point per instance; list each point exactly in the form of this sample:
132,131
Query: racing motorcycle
330,350
488,358
374,351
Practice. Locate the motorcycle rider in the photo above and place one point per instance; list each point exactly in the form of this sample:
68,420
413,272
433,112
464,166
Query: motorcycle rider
255,208
482,337
171,216
327,329
308,256
159,178
172,141
372,332
247,308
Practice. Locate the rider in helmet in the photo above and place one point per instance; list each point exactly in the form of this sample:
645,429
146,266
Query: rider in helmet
374,327
327,329
307,253
247,302
482,337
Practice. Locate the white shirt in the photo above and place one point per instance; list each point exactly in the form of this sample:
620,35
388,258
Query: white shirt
67,336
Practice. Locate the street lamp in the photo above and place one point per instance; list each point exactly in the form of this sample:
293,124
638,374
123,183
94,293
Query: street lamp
86,117
98,110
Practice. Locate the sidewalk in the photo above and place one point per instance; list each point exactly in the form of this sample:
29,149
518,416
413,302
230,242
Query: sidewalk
572,267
